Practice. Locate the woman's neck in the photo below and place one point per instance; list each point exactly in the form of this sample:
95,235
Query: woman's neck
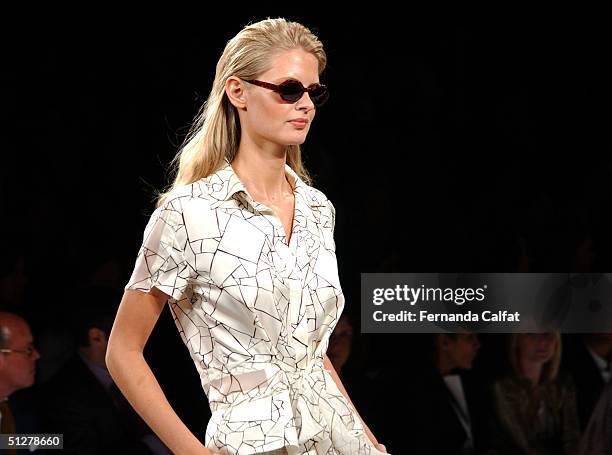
262,175
532,371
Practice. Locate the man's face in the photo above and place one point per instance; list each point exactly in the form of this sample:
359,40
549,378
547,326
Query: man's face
463,349
17,369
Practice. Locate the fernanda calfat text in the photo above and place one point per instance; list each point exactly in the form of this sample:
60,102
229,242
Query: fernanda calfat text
428,316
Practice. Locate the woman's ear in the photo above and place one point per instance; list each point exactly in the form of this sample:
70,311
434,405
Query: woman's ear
235,91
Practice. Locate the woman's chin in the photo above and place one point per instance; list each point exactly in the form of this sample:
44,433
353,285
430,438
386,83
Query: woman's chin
297,137
296,140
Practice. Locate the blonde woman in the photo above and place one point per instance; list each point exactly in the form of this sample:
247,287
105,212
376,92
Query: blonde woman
242,248
535,404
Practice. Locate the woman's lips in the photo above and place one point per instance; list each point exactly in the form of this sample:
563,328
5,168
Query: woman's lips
299,123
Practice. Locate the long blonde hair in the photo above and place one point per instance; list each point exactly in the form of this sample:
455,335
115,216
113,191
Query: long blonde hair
215,133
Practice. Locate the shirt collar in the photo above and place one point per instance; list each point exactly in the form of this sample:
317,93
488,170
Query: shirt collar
224,184
601,362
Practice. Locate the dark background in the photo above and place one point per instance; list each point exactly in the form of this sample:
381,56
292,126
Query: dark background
456,145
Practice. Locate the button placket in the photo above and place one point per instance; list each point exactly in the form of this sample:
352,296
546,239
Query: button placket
299,316
288,253
295,297
295,281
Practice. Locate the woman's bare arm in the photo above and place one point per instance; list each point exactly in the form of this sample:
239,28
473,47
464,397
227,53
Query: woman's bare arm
136,317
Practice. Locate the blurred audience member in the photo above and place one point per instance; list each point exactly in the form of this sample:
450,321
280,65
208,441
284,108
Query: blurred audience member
588,358
82,400
597,439
18,358
440,400
340,343
535,405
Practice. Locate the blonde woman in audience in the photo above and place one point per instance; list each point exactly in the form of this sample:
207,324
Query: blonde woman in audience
535,404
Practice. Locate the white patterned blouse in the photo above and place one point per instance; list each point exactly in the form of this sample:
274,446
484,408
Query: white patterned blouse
255,313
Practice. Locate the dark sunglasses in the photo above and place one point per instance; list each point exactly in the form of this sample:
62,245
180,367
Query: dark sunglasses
292,90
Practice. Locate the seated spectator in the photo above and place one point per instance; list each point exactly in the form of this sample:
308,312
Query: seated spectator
597,439
588,358
82,401
18,358
440,405
340,344
535,406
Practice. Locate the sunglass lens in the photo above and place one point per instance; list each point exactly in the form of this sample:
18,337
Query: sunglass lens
291,91
319,95
322,96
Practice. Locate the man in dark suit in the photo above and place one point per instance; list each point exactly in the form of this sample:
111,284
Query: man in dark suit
435,402
82,401
588,357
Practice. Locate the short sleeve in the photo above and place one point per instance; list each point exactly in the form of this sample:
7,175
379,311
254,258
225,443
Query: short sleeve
332,216
161,260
